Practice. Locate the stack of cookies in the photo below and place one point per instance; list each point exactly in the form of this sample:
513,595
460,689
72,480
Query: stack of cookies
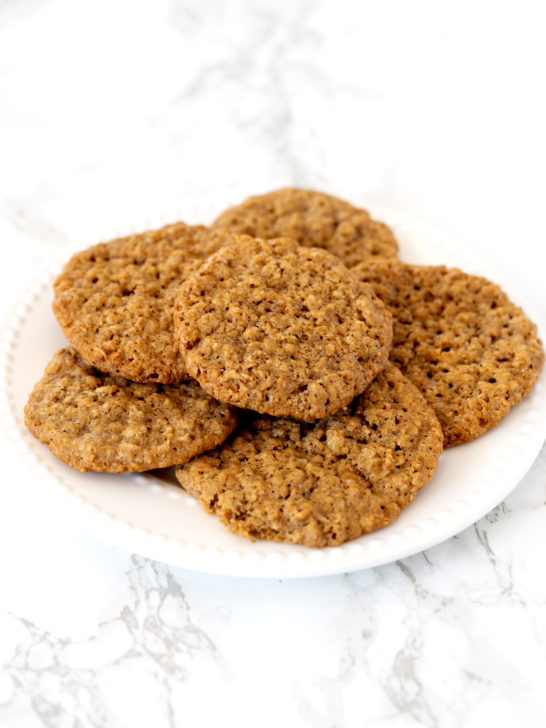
301,378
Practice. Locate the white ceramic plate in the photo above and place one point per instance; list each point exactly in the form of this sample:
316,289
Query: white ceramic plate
151,515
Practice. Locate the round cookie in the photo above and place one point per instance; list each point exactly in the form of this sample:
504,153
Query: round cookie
95,421
324,483
270,326
114,300
313,219
458,337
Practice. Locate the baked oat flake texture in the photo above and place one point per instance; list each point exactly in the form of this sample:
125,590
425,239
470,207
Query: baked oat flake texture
313,219
280,329
472,352
114,300
327,482
101,422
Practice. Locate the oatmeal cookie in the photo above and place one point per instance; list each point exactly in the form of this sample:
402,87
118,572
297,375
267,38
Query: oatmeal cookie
327,482
313,219
114,300
101,422
458,337
283,330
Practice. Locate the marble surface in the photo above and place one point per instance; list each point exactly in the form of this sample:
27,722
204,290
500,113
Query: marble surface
119,114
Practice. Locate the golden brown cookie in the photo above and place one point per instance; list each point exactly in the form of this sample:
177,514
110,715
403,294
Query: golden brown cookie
101,422
284,330
324,483
460,340
313,219
114,300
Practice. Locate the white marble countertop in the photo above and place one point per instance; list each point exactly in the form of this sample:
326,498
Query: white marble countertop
123,113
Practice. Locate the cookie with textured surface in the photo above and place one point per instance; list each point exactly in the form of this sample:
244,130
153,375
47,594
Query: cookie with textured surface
327,482
114,300
313,219
472,352
101,422
280,329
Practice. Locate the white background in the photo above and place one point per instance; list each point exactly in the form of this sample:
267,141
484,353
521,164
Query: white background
120,114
